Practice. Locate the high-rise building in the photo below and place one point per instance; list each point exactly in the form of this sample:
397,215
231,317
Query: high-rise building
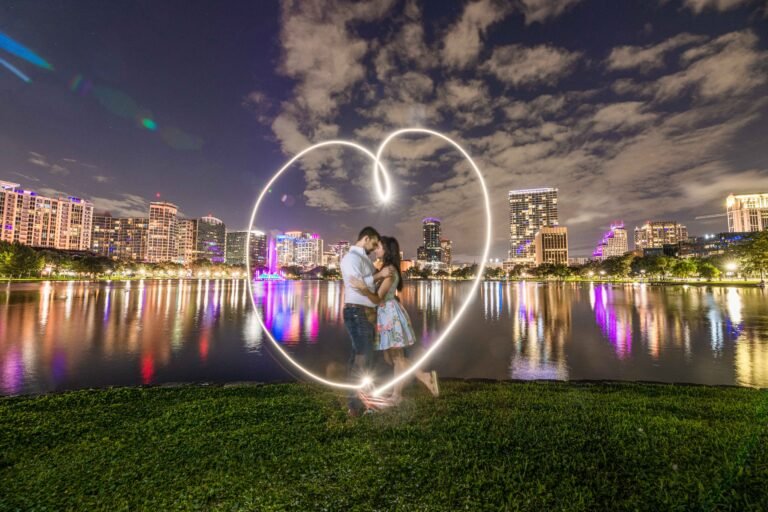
309,250
529,211
747,212
552,245
132,238
162,242
104,236
38,221
236,241
75,224
445,247
187,243
614,243
430,228
341,248
211,239
657,234
285,247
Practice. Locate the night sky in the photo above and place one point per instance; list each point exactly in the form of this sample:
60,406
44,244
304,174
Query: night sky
635,110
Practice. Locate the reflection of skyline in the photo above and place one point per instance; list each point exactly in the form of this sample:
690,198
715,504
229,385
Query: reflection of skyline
541,322
63,335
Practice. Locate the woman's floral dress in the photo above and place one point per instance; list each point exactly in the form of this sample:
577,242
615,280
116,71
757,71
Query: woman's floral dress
392,322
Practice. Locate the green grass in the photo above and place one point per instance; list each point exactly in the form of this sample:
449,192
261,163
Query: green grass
480,446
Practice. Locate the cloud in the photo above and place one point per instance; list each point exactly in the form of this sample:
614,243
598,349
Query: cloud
542,10
462,43
518,65
697,6
622,116
731,65
321,52
647,58
406,48
260,104
59,170
38,160
326,199
126,205
102,179
26,176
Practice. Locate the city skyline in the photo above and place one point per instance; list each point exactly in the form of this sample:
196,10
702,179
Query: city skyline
662,104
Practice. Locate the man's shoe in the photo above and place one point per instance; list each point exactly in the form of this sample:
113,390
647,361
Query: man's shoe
435,384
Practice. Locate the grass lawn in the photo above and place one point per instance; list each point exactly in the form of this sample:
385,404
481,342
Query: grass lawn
481,446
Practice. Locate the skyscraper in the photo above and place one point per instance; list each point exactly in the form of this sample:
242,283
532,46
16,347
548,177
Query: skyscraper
445,247
430,229
309,250
657,234
211,239
187,244
104,236
31,219
551,245
614,243
236,241
285,249
132,238
747,212
529,211
162,241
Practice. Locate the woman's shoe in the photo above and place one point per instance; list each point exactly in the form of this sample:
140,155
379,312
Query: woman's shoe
435,385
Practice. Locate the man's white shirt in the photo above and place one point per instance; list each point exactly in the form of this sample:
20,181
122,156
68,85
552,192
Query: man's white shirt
357,264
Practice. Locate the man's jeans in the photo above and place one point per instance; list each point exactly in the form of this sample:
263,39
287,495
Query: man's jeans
359,323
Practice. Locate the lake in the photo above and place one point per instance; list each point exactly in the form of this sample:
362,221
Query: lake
68,335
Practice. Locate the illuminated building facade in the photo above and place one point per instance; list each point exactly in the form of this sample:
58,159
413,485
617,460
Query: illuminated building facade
614,243
187,252
530,210
30,219
211,239
104,235
657,234
445,248
236,241
132,238
747,212
162,241
552,245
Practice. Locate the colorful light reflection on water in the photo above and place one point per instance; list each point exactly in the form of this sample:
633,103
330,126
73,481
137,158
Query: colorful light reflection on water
56,336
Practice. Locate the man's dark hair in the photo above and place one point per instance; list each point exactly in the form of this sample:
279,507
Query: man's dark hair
369,232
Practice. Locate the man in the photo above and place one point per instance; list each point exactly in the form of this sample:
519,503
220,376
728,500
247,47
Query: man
359,311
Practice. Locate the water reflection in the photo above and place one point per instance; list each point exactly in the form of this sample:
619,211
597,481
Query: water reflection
68,335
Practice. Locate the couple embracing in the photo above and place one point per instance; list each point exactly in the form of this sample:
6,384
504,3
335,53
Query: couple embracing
373,315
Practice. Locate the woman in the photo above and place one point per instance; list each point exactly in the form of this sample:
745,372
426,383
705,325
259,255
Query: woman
392,322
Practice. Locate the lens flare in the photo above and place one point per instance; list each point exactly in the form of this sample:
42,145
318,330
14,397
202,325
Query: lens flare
149,124
384,192
19,50
14,70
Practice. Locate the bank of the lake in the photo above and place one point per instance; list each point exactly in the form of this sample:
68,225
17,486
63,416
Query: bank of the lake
480,446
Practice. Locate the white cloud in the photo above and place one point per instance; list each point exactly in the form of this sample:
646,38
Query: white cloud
647,58
697,6
59,169
462,44
518,65
730,65
102,179
621,116
542,10
127,205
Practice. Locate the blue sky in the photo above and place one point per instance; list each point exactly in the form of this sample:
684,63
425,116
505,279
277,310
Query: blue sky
635,110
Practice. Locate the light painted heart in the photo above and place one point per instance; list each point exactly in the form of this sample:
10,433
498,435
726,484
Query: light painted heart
384,192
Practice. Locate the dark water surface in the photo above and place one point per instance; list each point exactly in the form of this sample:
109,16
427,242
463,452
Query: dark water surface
57,336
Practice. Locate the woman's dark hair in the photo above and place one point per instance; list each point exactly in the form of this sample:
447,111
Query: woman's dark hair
392,256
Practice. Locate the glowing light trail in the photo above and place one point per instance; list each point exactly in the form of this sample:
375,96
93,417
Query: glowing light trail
384,192
14,70
19,50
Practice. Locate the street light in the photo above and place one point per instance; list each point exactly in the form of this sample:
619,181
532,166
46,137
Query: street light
731,266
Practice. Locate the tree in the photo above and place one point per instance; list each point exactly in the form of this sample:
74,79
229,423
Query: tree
708,271
754,254
441,274
330,273
618,266
684,268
